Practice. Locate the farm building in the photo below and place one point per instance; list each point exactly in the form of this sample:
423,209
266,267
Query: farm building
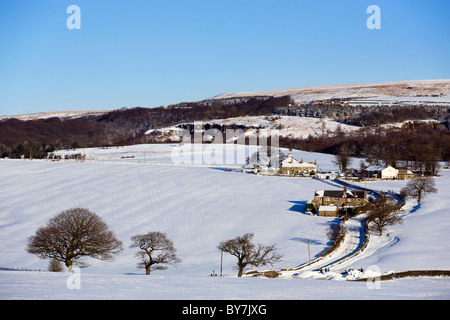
339,199
381,172
292,167
328,211
405,174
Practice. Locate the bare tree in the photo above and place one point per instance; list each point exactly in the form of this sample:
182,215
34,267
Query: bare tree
73,235
419,187
55,266
248,253
150,243
343,158
333,231
384,213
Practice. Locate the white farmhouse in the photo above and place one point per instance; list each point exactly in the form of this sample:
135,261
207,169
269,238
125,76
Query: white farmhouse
292,167
382,172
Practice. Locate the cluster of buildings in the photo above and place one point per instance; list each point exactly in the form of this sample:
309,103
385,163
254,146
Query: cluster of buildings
291,167
288,167
387,172
334,203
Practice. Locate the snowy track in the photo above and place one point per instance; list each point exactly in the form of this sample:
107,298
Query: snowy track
351,245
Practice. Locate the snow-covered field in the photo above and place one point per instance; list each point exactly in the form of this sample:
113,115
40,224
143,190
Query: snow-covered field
46,286
198,206
208,155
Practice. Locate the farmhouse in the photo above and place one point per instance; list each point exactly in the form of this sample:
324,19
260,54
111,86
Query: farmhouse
292,167
339,199
381,172
405,174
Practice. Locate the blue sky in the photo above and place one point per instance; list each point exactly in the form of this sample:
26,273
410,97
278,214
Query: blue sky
132,53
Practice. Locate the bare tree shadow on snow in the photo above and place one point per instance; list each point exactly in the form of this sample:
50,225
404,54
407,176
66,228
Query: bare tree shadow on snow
299,206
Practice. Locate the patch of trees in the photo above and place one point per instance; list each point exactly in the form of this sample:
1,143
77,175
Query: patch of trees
333,111
366,115
35,138
375,116
421,146
75,234
142,119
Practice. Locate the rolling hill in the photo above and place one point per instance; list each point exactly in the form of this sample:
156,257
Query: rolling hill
138,189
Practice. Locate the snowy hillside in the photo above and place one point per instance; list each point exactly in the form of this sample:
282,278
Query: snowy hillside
197,206
137,189
59,114
422,241
415,91
285,126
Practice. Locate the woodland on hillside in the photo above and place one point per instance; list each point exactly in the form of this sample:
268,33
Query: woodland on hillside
367,115
34,138
419,146
418,142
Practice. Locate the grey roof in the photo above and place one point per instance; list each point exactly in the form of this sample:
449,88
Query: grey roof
340,194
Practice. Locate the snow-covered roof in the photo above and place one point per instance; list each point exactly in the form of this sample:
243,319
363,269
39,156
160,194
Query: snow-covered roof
328,208
290,162
380,168
376,168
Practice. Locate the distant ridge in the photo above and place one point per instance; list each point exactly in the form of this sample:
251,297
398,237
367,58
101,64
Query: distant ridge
410,88
410,91
58,114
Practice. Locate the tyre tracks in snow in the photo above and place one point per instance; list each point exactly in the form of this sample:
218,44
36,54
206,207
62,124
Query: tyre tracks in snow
352,245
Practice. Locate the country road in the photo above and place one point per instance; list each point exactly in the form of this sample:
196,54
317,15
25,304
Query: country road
353,241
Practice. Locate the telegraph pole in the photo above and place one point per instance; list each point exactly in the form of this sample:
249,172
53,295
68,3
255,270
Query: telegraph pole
309,254
221,261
